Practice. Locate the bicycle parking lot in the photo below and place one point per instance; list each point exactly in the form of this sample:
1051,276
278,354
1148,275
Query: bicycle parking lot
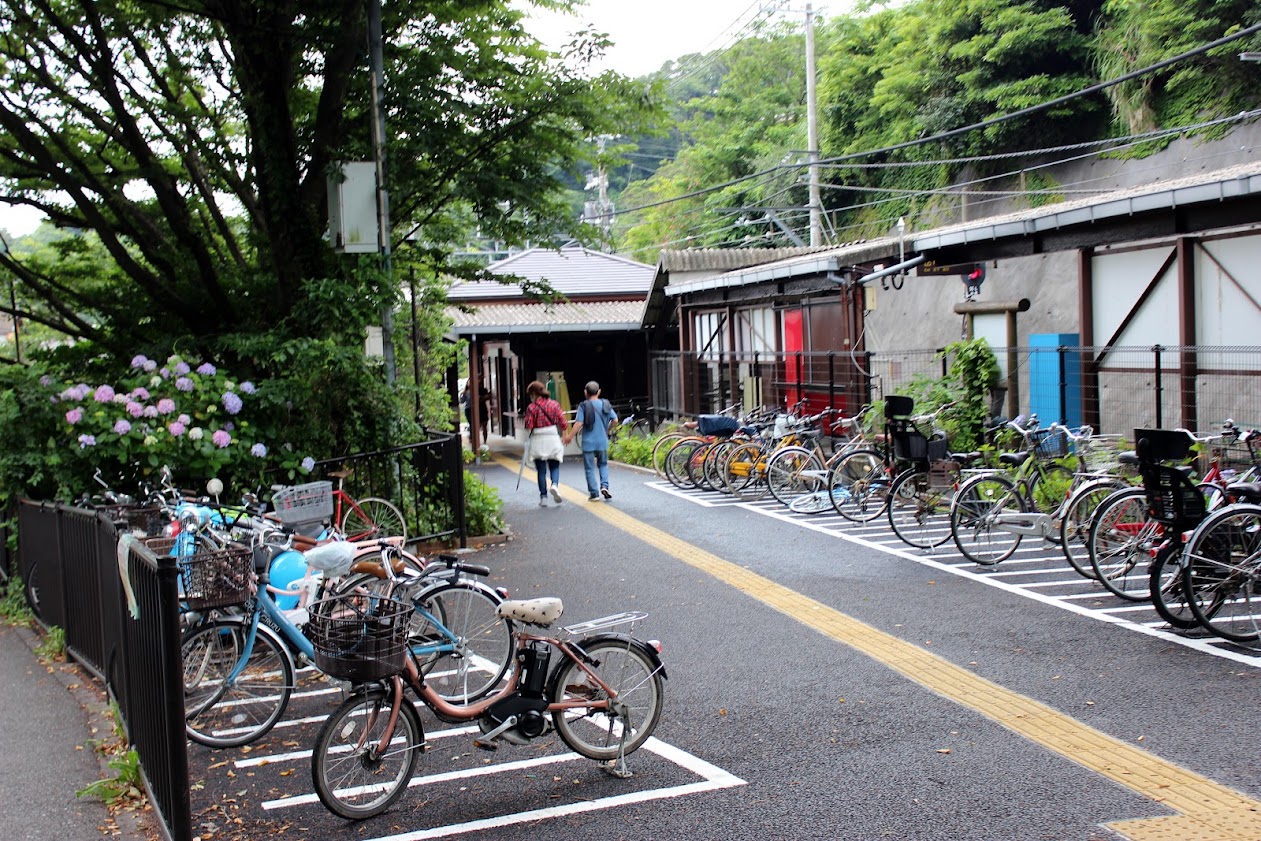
1037,570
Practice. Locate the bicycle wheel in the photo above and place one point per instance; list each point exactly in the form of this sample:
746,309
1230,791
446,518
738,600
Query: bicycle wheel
353,777
793,471
661,449
1121,539
221,712
744,472
814,502
1223,573
368,519
859,485
484,641
919,512
620,666
1049,487
974,522
716,465
696,465
1165,580
677,461
1075,524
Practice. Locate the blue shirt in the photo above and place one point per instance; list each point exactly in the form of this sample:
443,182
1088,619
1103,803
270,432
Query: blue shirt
597,439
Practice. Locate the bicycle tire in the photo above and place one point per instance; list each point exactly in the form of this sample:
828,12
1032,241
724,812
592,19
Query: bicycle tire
677,460
351,778
815,502
919,513
859,485
696,465
1121,537
977,503
627,668
1075,524
371,518
716,463
223,714
661,448
744,473
1165,582
1223,573
468,609
786,473
1053,477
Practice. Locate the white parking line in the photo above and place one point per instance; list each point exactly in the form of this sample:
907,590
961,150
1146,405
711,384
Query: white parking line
947,560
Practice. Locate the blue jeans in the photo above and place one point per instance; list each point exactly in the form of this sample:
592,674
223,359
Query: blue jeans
543,468
592,460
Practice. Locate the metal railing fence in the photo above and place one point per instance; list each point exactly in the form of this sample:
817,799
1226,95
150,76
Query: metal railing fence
1115,389
69,560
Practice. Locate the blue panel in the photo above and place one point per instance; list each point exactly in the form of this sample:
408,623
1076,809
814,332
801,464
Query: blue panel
1055,388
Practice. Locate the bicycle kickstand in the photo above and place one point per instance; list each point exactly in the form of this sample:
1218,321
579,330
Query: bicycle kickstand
617,767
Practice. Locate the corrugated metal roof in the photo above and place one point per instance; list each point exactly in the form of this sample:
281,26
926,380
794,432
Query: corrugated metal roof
571,270
548,318
1218,185
725,259
816,262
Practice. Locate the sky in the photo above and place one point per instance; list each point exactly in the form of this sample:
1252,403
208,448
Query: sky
646,34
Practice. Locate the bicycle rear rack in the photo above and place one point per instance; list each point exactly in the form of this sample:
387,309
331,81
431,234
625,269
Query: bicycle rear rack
605,622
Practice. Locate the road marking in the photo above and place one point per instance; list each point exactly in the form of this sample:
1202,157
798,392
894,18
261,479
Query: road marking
1207,810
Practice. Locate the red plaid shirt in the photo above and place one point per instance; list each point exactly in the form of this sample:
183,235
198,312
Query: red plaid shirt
545,412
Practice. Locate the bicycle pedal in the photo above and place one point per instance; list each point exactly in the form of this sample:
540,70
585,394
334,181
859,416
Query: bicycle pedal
486,746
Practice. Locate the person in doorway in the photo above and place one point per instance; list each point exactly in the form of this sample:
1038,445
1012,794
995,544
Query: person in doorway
480,404
595,418
546,424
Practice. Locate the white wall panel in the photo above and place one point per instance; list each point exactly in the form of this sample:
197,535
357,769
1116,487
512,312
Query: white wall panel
1227,295
1119,282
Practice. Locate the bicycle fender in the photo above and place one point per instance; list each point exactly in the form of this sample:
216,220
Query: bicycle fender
637,644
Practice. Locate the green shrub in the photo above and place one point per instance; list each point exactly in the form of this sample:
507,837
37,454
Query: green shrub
482,506
53,645
629,449
127,785
13,607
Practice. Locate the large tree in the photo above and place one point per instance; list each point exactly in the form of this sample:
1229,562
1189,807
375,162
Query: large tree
191,142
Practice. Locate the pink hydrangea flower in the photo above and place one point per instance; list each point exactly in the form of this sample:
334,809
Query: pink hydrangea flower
134,409
175,428
165,406
221,438
122,427
103,394
74,415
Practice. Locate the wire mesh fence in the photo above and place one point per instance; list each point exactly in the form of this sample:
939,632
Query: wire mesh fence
1114,389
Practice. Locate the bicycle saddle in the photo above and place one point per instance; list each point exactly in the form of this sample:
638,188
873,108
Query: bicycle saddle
541,612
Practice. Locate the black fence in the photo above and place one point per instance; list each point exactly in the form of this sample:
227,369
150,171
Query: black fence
74,571
1114,389
425,480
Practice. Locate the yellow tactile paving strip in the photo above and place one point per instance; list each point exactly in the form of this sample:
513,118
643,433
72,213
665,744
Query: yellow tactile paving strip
1207,811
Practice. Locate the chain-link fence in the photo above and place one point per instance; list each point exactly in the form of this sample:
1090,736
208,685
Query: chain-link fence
1114,389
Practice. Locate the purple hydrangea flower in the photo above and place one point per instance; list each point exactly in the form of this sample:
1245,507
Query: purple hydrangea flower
184,419
120,399
122,427
308,464
184,384
74,415
103,394
181,368
140,393
175,428
87,441
206,369
258,450
247,387
231,402
166,374
134,409
150,411
75,393
166,405
45,381
139,360
221,438
150,366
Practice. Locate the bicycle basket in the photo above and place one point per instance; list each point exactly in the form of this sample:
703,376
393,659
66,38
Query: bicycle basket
359,637
312,502
912,445
1049,444
210,578
1100,453
1228,454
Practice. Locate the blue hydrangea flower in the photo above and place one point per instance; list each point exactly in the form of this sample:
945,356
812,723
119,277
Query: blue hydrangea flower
258,450
87,441
184,384
231,402
308,464
206,369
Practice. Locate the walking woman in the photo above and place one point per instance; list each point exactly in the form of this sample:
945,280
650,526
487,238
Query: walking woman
546,423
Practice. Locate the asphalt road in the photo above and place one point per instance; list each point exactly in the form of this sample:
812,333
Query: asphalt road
818,688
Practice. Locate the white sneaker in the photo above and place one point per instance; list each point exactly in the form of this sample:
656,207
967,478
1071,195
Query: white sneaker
542,502
556,494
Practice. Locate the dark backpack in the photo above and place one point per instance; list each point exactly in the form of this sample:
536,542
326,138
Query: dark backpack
593,411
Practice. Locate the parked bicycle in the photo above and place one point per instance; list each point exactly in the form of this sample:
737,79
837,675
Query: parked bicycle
603,697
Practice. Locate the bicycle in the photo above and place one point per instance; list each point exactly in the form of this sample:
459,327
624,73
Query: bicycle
603,696
239,669
1222,568
355,519
995,509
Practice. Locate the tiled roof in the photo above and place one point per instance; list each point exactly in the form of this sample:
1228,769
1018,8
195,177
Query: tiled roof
548,318
725,259
571,271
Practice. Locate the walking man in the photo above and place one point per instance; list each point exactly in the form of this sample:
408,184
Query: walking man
595,418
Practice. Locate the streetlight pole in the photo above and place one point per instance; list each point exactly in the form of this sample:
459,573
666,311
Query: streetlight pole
377,52
812,133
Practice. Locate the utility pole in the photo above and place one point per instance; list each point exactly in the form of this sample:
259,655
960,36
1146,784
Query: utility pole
376,51
812,133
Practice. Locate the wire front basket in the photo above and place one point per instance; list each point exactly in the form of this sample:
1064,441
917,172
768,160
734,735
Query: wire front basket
1229,454
1101,453
209,578
1049,443
359,637
309,503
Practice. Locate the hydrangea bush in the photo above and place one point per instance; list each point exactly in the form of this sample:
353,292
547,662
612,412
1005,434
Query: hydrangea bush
188,415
